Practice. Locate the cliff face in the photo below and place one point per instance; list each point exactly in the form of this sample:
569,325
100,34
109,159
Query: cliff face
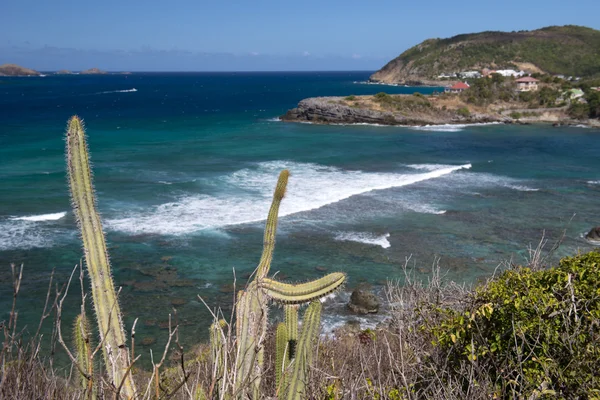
567,50
16,70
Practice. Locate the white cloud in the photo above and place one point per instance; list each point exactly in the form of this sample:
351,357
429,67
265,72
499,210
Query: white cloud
306,53
356,56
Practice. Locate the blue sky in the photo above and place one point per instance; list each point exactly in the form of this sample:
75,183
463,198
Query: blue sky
196,35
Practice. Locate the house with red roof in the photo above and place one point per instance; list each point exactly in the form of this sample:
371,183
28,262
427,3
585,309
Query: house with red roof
527,84
457,88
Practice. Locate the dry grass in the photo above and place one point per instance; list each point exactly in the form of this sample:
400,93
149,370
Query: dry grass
398,360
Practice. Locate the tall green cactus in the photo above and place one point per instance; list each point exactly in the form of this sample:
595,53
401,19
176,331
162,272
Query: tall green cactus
252,307
108,312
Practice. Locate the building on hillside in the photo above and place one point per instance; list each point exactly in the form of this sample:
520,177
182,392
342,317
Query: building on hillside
446,76
457,88
573,94
470,74
597,89
510,72
527,84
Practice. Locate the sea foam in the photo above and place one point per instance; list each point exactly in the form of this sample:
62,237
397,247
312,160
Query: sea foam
41,217
119,91
31,231
247,193
365,237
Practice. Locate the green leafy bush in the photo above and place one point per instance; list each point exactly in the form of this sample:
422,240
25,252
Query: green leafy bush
533,331
579,110
515,115
463,112
350,98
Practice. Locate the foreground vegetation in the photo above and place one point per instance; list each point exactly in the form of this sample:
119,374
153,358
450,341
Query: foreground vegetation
531,332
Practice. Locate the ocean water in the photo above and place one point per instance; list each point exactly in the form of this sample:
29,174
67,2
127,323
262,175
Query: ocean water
185,165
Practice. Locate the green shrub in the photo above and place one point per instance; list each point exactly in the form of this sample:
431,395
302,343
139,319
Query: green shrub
382,96
350,98
579,111
463,112
515,115
532,329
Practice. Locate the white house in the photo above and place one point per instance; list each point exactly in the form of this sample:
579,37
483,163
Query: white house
510,72
527,84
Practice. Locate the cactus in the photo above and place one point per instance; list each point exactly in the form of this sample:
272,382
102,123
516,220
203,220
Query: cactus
217,346
281,352
251,314
83,352
291,324
252,307
295,382
286,293
108,312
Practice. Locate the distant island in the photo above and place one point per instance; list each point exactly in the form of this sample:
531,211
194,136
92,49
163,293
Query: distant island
93,71
16,70
64,72
555,50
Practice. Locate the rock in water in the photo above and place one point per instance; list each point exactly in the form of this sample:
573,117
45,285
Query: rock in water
594,234
363,301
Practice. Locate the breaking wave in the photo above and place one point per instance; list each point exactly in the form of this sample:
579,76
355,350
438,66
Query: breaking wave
246,196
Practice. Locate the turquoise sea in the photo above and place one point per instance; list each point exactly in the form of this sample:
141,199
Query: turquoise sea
185,165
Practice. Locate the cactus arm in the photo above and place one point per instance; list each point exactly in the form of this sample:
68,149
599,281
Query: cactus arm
271,226
108,313
296,383
303,292
281,352
291,324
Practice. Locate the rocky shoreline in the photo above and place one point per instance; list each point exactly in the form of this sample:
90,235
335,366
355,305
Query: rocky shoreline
333,110
341,110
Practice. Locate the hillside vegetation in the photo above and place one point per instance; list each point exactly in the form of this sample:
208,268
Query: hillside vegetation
567,50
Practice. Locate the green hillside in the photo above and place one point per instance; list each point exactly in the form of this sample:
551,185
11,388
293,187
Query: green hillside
568,50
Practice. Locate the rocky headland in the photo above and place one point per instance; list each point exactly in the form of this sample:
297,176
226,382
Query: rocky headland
403,110
418,110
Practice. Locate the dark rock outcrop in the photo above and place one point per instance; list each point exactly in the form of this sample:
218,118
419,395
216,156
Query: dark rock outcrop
594,234
363,301
332,110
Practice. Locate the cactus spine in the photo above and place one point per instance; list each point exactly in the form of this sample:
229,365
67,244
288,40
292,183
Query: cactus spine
108,312
295,384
